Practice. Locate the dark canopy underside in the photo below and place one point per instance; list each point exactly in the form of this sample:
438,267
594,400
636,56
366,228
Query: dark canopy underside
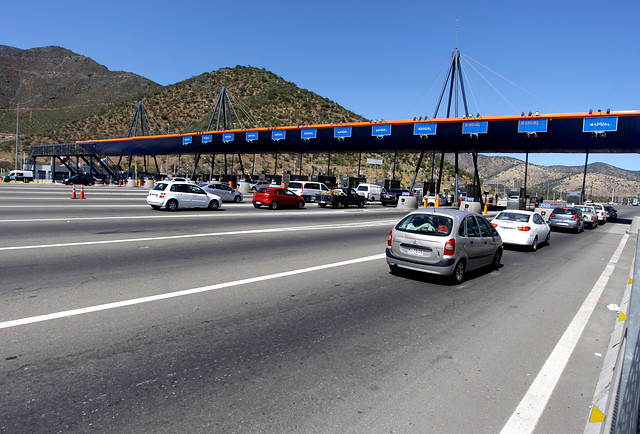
564,134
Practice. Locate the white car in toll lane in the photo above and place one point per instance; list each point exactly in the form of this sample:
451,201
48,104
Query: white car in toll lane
173,195
522,228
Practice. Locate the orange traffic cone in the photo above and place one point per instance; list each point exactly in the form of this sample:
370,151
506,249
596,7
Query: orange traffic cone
73,194
82,192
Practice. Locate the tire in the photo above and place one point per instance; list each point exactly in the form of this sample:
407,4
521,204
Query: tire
458,273
496,259
338,205
172,205
394,269
322,205
273,205
534,244
155,206
255,205
547,241
213,205
361,204
301,204
237,199
384,204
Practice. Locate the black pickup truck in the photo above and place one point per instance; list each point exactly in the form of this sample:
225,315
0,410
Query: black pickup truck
340,197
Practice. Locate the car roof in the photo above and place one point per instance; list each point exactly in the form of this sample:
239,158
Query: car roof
446,211
518,211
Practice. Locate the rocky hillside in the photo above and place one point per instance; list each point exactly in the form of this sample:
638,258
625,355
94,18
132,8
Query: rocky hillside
55,86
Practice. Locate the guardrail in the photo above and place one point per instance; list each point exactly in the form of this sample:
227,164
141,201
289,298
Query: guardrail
616,403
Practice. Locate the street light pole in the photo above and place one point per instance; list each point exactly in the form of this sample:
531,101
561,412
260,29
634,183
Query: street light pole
17,127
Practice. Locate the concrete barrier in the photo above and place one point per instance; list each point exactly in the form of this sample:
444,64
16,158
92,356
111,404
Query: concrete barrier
408,202
471,206
148,183
635,225
244,187
130,183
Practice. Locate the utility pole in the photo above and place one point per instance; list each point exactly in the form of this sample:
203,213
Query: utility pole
17,128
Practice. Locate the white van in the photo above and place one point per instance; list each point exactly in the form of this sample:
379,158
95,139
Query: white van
19,176
307,189
370,191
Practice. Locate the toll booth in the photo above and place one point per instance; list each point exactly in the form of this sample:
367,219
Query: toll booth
470,192
574,197
329,181
391,183
352,181
226,179
516,199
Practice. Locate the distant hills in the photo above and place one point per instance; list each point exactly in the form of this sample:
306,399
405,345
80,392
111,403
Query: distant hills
65,97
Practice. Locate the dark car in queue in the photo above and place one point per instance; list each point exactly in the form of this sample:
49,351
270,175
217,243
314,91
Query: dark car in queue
612,215
277,197
391,196
566,217
80,178
446,242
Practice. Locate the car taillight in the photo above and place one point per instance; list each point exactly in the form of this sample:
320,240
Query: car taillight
450,247
389,238
524,228
495,225
162,195
552,216
574,217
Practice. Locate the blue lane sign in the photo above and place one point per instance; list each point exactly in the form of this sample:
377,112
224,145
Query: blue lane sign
186,140
227,137
207,138
424,129
251,135
278,134
381,130
341,132
532,126
308,133
600,124
475,127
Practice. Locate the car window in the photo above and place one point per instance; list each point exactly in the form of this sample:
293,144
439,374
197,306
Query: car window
324,187
293,185
426,224
160,186
263,190
462,230
472,227
196,189
513,216
485,228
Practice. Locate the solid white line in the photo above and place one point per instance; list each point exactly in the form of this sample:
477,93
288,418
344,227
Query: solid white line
211,234
131,302
527,414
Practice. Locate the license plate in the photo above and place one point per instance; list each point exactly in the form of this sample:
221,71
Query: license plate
413,251
563,224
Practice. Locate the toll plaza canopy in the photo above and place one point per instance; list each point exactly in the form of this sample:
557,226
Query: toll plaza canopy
593,132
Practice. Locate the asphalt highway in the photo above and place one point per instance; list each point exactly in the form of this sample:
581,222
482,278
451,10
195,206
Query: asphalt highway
115,317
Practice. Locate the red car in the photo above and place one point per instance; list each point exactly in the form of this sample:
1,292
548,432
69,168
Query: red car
276,197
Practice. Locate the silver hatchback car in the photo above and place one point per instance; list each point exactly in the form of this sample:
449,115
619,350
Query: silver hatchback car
446,242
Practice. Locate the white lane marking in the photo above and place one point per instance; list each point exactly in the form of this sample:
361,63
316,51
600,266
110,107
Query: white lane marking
527,414
210,234
149,299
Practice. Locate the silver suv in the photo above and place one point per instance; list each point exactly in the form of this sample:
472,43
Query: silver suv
446,242
173,195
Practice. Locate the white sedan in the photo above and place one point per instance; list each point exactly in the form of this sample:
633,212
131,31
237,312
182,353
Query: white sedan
523,228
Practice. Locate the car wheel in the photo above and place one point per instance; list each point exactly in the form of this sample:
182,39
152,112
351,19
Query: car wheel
237,199
361,204
172,205
384,204
458,272
273,205
255,205
213,205
394,269
534,244
496,259
301,204
155,206
547,241
322,205
339,205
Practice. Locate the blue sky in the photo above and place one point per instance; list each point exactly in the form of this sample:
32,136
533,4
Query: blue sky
380,59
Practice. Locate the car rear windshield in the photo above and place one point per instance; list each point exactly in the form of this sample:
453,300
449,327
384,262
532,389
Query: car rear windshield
569,211
513,216
295,185
160,186
426,224
263,190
